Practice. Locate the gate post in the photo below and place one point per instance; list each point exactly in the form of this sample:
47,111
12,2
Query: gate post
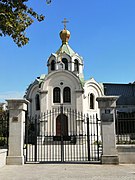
17,108
107,106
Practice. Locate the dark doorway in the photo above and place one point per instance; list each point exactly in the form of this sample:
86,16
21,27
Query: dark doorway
62,125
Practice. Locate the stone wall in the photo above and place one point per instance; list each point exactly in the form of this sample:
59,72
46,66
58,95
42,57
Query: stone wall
3,155
126,154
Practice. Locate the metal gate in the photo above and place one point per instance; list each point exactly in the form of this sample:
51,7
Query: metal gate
62,135
4,129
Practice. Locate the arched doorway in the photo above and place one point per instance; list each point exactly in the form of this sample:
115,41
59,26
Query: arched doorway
62,125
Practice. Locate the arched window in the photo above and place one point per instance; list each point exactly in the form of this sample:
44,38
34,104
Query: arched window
92,101
66,95
37,102
65,61
56,95
53,65
76,66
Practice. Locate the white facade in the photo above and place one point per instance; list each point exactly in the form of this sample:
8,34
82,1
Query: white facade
61,79
92,90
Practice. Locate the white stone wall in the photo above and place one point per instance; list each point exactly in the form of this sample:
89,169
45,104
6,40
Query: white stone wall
55,79
126,154
3,155
91,86
80,60
52,57
31,97
71,61
79,96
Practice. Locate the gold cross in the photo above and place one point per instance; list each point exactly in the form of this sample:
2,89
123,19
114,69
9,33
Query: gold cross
64,22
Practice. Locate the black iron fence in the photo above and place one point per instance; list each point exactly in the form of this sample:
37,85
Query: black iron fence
125,128
4,129
62,135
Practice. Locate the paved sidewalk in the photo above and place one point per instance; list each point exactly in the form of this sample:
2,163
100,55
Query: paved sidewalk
67,171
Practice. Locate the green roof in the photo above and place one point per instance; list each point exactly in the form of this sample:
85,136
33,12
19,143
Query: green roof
41,79
65,48
82,81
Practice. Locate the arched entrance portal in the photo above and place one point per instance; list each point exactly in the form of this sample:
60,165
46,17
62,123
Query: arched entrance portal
62,125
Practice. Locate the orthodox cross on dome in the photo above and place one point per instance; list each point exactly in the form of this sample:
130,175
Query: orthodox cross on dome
64,22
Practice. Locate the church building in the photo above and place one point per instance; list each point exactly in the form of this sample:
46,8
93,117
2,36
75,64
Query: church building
65,85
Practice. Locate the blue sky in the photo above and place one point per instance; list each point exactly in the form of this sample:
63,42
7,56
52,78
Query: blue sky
102,32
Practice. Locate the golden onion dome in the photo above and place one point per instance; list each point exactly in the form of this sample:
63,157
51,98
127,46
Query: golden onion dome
64,35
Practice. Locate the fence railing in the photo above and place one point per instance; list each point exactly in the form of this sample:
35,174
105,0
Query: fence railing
4,129
63,135
125,128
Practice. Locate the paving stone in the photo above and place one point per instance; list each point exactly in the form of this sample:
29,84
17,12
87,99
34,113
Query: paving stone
67,172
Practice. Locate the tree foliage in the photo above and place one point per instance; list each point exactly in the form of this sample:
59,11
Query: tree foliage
15,18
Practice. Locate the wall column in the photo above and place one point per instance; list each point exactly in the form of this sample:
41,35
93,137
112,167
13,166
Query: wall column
107,106
17,108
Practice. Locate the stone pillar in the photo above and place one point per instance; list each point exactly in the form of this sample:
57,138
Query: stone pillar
107,106
17,108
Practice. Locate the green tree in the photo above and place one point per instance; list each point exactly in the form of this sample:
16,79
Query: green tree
15,18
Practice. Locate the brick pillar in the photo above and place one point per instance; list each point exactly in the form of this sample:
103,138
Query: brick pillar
107,106
17,108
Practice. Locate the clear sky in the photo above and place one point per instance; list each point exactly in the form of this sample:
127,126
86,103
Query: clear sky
102,32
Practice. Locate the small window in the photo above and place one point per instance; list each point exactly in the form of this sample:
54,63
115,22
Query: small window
66,95
37,102
76,65
65,61
92,101
53,65
56,95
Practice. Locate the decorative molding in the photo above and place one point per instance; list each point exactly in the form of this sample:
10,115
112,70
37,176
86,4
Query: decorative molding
79,91
43,92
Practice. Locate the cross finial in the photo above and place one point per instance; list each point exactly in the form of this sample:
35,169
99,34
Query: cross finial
64,22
